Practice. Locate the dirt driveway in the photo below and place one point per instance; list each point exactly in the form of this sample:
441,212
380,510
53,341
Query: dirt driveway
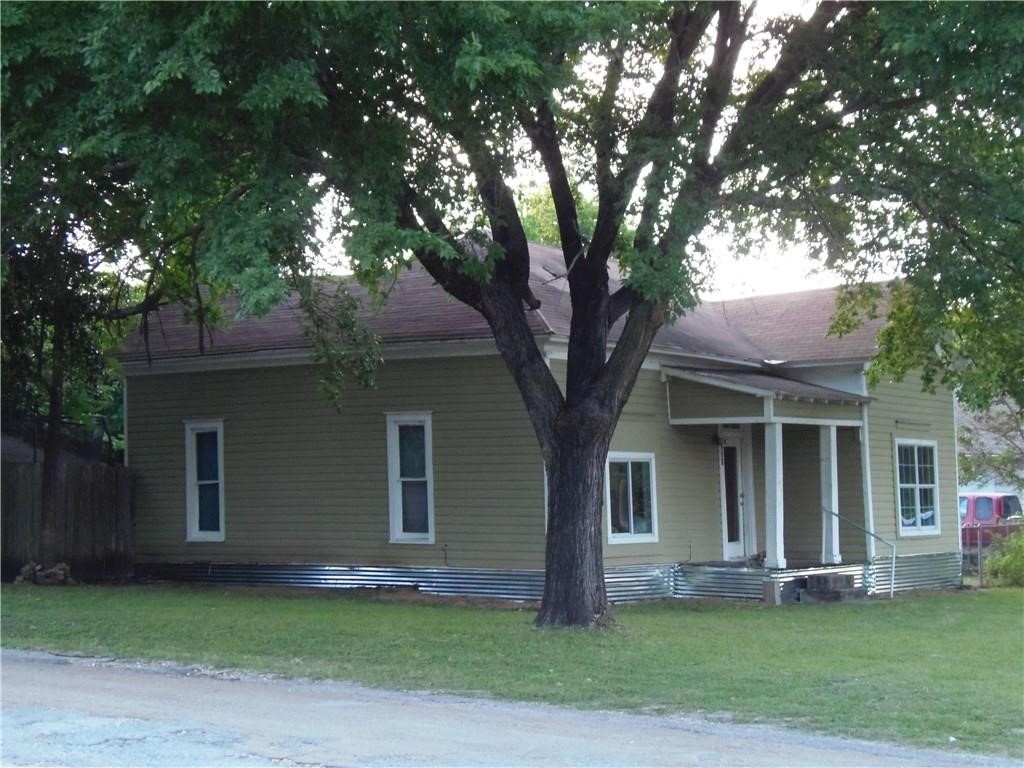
73,711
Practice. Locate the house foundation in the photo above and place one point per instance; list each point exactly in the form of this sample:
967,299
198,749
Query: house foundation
624,584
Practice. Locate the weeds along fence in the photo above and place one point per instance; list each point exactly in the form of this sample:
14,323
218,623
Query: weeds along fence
977,542
94,518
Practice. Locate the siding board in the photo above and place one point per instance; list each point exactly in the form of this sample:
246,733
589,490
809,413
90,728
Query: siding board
304,483
803,410
902,410
692,400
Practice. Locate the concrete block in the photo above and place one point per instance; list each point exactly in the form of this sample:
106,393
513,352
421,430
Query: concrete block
772,593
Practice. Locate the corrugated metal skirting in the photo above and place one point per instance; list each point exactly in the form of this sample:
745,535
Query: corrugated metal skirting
506,584
624,584
932,571
942,570
719,581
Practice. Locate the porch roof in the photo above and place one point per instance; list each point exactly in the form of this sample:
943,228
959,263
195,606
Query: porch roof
766,385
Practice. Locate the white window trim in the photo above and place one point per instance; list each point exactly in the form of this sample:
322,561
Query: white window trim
630,538
192,427
936,529
394,420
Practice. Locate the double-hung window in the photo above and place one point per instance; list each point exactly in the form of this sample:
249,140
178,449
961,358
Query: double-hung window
917,487
410,478
204,480
630,498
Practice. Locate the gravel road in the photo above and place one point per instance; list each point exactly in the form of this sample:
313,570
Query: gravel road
74,711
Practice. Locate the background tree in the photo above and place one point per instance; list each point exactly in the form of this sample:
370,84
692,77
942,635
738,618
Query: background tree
992,445
87,254
887,133
60,308
540,220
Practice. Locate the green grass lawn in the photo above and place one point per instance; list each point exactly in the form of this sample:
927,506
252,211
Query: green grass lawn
917,670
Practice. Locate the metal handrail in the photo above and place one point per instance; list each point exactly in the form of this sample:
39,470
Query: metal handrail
876,537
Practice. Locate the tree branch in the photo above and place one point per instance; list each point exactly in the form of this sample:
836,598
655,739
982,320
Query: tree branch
686,26
503,214
619,303
540,127
803,46
502,308
604,120
150,303
444,272
732,27
642,324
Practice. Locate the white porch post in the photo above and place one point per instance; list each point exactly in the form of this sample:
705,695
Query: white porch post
829,496
775,550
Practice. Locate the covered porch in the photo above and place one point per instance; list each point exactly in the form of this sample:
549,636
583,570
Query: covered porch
794,473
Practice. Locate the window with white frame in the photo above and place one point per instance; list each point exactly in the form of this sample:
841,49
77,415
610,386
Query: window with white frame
410,478
204,480
630,498
917,486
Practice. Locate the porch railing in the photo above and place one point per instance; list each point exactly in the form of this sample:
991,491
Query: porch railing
876,537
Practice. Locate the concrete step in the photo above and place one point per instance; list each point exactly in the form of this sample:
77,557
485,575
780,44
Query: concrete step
833,595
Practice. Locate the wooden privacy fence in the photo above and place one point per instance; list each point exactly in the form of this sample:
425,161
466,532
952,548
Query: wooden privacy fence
94,518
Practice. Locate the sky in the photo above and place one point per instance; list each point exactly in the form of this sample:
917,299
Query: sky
771,271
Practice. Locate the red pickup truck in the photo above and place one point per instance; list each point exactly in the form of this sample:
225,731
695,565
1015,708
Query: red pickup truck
986,514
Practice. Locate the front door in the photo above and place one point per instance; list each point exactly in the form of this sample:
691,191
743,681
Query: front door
730,445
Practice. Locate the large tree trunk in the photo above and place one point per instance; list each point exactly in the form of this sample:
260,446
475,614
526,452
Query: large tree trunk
51,457
574,431
574,593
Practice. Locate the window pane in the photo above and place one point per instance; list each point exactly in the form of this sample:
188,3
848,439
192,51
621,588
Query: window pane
926,465
908,506
906,464
206,456
927,509
963,507
618,479
983,508
641,480
414,507
209,507
412,452
1011,506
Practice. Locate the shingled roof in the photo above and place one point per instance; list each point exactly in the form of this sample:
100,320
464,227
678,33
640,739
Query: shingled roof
790,327
794,327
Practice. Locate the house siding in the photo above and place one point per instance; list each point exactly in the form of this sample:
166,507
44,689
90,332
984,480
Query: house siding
801,493
852,540
798,410
691,400
902,410
802,489
304,483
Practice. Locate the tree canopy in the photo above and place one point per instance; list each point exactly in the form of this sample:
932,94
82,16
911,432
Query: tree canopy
886,133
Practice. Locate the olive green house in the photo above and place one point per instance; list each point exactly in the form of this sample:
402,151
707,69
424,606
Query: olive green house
751,454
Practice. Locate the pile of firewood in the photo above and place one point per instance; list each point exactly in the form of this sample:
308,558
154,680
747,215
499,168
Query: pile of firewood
33,573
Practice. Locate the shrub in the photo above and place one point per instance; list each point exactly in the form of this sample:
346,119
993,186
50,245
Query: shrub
1006,560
